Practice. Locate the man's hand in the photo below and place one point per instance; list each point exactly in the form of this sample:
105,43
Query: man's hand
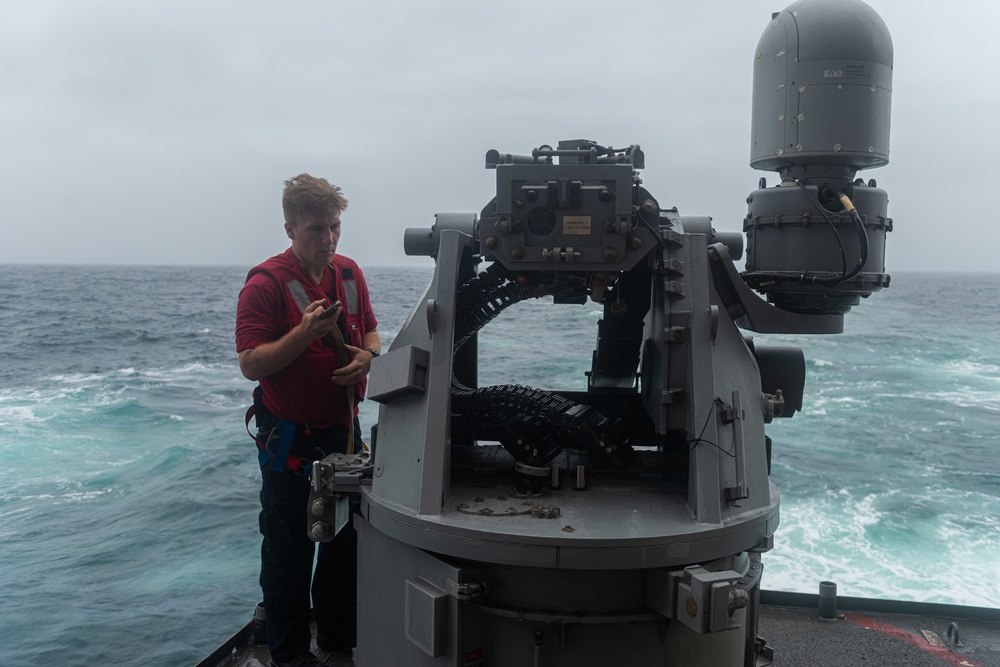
269,358
356,369
314,325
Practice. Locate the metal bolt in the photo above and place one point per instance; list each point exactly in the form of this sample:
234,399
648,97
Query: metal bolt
604,195
609,254
531,195
635,242
517,253
692,606
491,242
319,530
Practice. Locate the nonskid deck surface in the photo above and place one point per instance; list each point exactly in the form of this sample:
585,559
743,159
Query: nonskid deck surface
799,638
245,653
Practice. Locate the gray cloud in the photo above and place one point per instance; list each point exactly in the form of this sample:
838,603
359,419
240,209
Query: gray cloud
161,132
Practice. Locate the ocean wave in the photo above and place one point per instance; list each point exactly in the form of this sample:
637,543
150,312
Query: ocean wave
82,496
17,500
77,378
890,543
973,368
161,373
964,397
127,464
17,414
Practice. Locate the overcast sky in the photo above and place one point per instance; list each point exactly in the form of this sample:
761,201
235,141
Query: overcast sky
161,132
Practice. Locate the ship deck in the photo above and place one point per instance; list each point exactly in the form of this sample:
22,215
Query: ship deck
877,632
887,633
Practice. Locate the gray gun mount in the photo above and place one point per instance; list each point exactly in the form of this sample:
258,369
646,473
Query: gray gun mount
632,509
624,518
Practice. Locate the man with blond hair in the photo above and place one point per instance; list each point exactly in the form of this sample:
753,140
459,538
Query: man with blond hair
306,332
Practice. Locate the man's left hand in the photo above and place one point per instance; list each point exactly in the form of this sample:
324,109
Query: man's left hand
356,369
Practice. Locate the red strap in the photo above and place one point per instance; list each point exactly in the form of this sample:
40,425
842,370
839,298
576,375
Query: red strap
294,463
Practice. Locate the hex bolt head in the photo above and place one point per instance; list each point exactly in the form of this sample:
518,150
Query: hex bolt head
318,531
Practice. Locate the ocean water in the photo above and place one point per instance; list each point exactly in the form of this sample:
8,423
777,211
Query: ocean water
128,488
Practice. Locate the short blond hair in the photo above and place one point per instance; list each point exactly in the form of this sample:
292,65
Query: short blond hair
306,195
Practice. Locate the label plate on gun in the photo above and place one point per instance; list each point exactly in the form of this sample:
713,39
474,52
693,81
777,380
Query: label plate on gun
577,225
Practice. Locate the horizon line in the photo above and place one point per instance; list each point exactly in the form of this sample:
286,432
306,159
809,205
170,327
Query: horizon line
363,266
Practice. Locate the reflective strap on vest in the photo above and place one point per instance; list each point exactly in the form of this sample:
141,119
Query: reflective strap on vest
351,295
299,294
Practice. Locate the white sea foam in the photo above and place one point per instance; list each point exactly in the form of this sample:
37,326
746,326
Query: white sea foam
970,367
966,397
77,378
843,400
82,496
18,414
837,537
185,371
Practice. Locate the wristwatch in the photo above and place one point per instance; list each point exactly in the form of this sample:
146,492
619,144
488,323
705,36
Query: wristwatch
374,352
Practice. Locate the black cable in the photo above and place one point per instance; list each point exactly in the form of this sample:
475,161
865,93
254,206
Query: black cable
840,242
859,226
696,441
